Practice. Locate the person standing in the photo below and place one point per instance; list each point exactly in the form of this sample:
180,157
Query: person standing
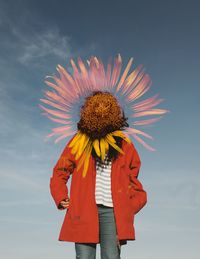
103,181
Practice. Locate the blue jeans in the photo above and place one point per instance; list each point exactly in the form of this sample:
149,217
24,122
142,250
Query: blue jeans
108,239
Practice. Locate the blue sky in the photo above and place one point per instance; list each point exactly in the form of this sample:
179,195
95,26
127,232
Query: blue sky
36,36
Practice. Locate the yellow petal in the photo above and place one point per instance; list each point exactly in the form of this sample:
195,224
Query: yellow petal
106,145
75,148
81,161
96,147
87,160
122,135
82,144
103,148
110,137
75,139
115,146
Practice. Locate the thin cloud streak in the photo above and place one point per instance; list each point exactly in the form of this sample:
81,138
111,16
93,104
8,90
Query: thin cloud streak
167,228
25,221
19,203
22,180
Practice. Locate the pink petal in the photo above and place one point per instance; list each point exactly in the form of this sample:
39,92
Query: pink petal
132,80
60,107
150,112
123,77
55,113
116,71
146,122
144,143
108,72
142,87
136,131
64,136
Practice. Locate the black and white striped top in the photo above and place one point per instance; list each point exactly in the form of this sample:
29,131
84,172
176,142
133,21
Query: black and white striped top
103,193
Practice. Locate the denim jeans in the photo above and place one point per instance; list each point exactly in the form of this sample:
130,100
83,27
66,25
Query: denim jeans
108,240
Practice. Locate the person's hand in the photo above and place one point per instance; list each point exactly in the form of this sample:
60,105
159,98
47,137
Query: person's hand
65,203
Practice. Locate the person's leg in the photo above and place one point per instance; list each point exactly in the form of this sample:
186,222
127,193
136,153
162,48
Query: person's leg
85,250
108,234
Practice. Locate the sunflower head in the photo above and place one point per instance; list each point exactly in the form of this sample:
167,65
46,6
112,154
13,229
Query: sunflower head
100,112
100,115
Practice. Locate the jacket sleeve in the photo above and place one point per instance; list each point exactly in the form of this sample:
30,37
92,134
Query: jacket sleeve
61,174
137,194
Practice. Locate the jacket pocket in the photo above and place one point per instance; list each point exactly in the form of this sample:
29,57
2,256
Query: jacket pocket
137,195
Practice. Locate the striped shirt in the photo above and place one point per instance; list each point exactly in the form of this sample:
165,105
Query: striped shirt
103,194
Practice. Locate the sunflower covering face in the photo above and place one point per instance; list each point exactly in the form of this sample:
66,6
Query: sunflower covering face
91,100
100,115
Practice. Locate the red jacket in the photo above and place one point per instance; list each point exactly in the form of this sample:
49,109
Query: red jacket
81,223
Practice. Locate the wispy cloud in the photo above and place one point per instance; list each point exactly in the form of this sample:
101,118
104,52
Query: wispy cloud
33,47
42,45
38,48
